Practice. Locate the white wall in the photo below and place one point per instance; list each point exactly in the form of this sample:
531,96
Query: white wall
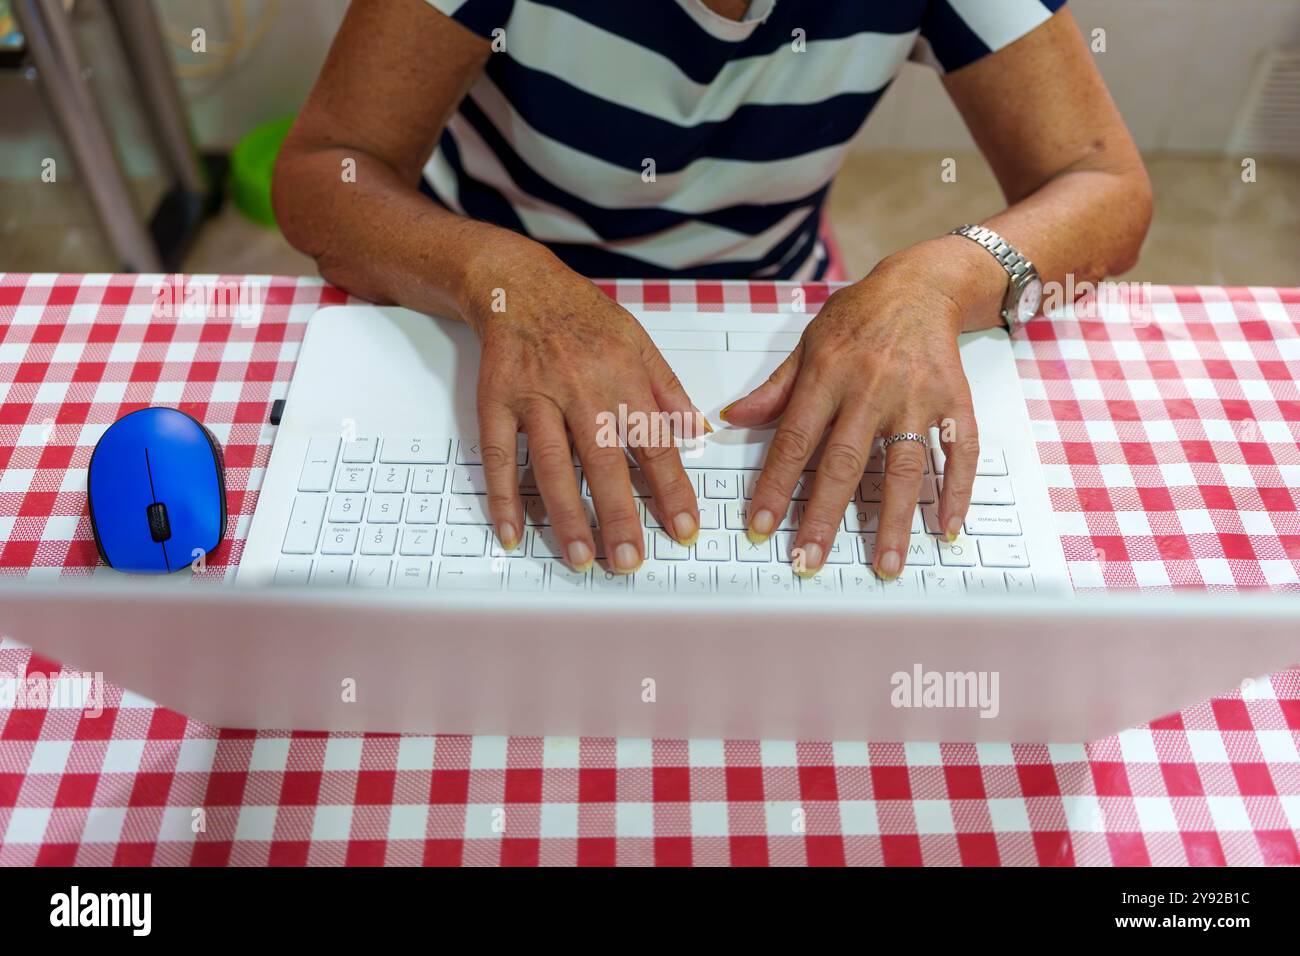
1177,68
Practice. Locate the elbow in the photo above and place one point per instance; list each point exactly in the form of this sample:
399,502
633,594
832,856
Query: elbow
1139,200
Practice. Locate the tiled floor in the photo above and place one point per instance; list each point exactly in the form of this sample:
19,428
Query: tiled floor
1210,227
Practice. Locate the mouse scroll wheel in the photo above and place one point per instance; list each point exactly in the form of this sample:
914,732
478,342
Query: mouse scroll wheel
160,529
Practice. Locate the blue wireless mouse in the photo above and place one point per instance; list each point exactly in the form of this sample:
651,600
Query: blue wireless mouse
157,491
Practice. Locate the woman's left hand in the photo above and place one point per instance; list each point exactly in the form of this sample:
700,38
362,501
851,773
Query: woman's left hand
880,359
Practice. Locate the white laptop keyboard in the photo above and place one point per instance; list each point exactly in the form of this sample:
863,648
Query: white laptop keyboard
411,512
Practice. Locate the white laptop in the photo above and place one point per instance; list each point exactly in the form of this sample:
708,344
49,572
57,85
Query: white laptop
375,479
371,595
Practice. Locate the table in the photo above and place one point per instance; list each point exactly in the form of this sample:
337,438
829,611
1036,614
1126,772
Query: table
1170,447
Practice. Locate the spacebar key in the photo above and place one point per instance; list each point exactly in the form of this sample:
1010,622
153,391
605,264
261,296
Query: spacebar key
470,575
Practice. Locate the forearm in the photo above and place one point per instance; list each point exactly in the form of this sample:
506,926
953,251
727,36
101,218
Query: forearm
382,240
1087,223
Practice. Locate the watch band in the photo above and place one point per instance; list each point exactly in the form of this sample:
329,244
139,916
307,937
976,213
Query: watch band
1015,264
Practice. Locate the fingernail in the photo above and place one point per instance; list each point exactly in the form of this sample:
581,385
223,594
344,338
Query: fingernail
723,414
708,428
954,528
685,529
626,558
580,556
812,560
889,565
760,526
508,536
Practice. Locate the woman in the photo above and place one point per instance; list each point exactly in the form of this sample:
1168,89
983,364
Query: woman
477,158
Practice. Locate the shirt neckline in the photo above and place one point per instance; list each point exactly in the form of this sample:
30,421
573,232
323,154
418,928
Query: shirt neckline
725,28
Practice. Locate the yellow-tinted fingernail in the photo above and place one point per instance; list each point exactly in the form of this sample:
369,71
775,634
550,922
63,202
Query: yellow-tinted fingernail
723,414
708,428
685,529
954,529
761,527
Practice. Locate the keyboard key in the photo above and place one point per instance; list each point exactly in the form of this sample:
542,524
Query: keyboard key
412,575
735,580
985,519
721,484
991,462
957,554
825,581
353,478
428,479
713,546
748,482
340,539
318,468
920,550
482,575
468,452
776,581
603,580
372,573
469,480
737,515
391,479
748,551
379,539
293,570
930,518
360,451
384,510
417,541
564,578
942,582
305,521
784,544
1003,553
666,549
526,575
841,550
331,572
907,584
496,550
653,578
984,582
1019,582
871,488
926,496
415,450
709,515
467,509
859,581
546,544
423,509
803,487
992,491
346,508
464,542
866,547
694,580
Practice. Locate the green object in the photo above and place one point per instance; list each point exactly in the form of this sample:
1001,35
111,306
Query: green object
251,166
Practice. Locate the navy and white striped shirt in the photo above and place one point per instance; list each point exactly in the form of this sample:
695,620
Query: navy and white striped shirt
656,138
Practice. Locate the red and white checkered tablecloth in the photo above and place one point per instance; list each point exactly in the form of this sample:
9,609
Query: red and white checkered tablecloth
1170,447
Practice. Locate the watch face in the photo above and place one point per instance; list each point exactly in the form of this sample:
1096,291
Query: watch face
1031,297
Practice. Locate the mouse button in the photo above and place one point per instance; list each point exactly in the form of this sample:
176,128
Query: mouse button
118,493
187,483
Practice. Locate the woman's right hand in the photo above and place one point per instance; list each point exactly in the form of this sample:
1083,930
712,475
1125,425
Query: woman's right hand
558,356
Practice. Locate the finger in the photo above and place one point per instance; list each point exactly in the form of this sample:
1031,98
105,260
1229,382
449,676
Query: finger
673,492
611,491
670,395
802,425
552,462
904,469
959,437
498,431
766,403
844,457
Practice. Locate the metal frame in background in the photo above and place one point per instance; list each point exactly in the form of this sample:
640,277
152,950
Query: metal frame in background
197,188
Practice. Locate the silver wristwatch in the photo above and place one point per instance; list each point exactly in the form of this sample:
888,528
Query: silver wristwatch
1025,290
